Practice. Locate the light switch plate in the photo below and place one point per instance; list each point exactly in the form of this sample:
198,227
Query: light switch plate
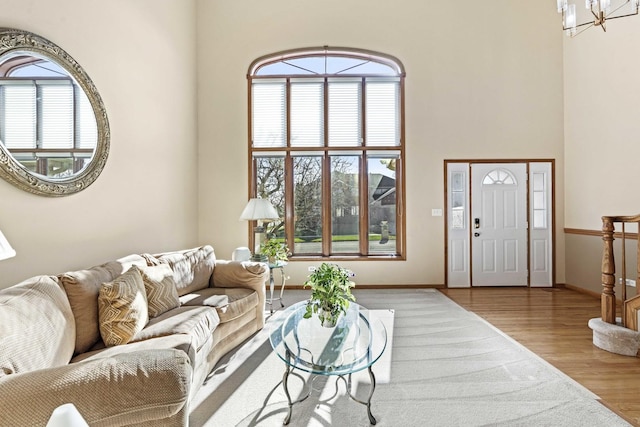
436,212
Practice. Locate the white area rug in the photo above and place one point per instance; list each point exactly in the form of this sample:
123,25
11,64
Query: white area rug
444,366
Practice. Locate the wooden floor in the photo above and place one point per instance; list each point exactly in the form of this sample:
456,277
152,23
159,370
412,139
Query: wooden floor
553,324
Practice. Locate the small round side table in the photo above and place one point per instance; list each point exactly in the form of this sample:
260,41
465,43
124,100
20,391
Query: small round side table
278,265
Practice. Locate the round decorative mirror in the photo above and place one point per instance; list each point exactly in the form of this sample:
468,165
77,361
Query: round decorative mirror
54,132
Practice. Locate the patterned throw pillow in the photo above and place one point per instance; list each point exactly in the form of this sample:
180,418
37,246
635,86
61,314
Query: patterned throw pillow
122,308
162,294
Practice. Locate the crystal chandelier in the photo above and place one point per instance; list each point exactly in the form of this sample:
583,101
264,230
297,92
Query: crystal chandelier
598,12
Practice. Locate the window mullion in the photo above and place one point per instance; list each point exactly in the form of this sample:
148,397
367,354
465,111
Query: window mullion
326,112
289,202
402,117
363,113
253,191
364,204
39,101
400,221
287,113
326,205
364,186
326,179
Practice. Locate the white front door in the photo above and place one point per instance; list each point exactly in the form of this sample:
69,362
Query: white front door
499,224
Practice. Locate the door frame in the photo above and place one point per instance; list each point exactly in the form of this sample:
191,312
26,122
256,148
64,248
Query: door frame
550,198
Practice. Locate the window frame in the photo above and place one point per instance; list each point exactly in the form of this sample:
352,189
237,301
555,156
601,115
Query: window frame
325,151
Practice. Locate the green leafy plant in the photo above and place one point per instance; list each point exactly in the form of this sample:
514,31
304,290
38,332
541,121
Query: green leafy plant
275,250
330,293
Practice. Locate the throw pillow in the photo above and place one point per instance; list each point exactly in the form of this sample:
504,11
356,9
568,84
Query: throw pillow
162,294
122,308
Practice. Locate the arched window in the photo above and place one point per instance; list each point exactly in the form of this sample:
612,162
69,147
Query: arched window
499,177
326,147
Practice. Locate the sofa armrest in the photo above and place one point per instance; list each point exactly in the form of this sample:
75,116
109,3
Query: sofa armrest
123,389
243,274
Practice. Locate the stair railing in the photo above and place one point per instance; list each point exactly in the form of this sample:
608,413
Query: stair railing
608,297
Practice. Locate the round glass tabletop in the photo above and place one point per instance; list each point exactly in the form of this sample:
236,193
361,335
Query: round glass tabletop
355,343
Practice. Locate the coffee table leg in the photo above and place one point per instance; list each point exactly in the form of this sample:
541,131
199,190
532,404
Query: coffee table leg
372,419
285,385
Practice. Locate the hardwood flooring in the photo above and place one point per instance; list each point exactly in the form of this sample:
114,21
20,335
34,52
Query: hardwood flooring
553,324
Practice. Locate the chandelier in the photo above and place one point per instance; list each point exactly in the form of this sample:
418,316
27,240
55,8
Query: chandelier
597,13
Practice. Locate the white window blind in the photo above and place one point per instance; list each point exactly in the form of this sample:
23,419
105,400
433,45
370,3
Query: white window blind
345,118
18,126
269,113
86,126
382,112
57,115
307,113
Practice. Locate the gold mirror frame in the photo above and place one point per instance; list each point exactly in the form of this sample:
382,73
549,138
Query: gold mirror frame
12,40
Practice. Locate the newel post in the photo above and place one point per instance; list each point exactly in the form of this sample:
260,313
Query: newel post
608,298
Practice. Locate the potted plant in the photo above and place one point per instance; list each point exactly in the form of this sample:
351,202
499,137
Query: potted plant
274,250
330,293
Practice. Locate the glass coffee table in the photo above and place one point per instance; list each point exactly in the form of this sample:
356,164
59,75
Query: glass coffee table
354,344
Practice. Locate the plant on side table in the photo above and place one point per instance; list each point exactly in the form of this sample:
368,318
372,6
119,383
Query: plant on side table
330,293
274,250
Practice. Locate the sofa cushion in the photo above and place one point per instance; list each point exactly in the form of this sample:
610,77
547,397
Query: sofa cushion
161,290
37,329
82,288
230,303
192,268
182,342
122,308
197,322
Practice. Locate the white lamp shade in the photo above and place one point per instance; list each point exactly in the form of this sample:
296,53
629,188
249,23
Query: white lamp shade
66,415
6,251
241,254
259,209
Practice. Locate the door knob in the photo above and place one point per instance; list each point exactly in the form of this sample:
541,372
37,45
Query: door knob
476,234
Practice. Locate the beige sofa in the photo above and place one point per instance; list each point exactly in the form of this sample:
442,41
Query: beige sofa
53,331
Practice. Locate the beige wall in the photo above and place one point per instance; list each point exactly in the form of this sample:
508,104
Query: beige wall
484,80
602,130
584,260
602,125
141,55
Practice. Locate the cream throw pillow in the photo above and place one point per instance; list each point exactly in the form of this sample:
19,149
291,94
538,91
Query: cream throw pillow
162,294
122,308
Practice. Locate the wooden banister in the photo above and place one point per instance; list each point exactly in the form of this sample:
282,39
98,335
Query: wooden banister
608,298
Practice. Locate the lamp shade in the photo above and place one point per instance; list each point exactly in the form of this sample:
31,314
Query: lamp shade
66,415
6,251
259,209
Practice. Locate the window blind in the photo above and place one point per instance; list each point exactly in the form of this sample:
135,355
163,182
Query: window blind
382,112
269,113
57,116
18,129
345,118
307,113
86,126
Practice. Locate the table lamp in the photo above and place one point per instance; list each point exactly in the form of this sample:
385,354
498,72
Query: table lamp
259,210
6,251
